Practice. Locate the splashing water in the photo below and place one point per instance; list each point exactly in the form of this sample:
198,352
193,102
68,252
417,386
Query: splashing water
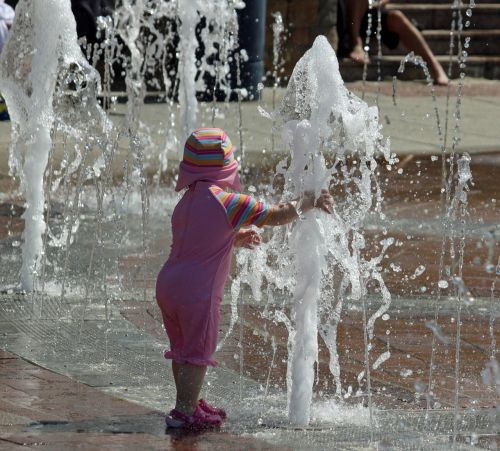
322,122
53,88
188,16
31,75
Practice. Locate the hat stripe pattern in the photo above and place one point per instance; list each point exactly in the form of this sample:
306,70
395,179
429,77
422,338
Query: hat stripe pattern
209,147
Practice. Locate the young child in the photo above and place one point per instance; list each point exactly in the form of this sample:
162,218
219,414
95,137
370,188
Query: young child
209,220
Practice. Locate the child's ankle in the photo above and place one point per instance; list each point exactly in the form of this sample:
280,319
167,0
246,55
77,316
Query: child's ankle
186,409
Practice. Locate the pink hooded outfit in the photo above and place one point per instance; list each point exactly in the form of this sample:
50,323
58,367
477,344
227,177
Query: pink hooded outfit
190,285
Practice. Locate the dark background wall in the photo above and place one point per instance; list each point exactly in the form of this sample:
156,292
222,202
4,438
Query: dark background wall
304,20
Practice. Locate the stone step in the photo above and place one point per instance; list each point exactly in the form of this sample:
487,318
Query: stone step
476,66
439,16
481,42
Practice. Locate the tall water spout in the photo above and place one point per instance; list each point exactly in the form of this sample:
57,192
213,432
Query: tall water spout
308,244
219,38
29,68
323,121
188,16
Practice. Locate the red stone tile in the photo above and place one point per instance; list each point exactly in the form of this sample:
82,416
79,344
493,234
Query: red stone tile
7,445
15,407
97,441
6,355
53,397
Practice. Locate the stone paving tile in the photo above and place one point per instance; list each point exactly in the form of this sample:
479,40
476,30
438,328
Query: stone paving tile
94,441
40,409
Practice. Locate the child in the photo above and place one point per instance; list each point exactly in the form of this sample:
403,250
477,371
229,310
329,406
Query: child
207,223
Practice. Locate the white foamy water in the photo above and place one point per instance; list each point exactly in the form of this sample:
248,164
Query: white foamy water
51,91
188,16
324,126
36,54
339,414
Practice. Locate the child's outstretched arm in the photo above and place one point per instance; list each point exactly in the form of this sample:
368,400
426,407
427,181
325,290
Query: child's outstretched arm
286,212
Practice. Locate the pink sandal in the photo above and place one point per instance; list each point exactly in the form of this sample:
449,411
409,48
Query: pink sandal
206,407
198,420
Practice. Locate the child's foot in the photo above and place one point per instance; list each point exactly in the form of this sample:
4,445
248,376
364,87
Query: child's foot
197,421
206,407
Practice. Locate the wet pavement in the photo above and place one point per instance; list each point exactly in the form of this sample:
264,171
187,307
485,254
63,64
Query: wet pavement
124,386
40,409
87,372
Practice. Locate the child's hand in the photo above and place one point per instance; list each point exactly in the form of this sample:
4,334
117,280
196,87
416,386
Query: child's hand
324,202
247,238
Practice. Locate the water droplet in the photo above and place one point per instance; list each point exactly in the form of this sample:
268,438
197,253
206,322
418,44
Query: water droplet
420,387
395,268
443,284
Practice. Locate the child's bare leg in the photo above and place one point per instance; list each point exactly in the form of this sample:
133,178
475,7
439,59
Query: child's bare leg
188,382
413,40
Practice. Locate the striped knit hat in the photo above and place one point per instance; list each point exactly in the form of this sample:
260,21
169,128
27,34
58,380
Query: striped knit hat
209,156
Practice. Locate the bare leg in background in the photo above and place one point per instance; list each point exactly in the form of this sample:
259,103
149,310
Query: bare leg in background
355,10
414,41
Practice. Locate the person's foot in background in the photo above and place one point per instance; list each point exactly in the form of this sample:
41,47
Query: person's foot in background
358,55
439,75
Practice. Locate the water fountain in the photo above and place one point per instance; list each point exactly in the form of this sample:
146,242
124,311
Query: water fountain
86,220
322,119
30,97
